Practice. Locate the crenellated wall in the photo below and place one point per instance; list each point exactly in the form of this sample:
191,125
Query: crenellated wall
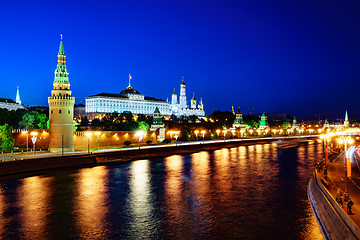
106,138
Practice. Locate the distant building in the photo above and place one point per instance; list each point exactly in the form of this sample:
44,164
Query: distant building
10,104
294,124
128,100
157,126
346,122
326,124
182,108
239,121
263,122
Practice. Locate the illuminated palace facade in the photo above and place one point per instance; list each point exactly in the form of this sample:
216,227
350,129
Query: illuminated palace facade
128,100
182,108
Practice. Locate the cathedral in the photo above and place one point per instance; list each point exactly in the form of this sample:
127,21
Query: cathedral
182,108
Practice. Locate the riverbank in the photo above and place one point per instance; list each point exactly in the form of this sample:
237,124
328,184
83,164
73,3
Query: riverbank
39,162
333,220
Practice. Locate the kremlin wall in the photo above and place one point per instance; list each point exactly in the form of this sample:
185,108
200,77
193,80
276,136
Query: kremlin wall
105,139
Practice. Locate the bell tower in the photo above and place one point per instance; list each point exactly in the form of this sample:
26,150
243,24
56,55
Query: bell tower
61,108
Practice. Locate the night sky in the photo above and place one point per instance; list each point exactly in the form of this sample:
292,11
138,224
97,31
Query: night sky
298,57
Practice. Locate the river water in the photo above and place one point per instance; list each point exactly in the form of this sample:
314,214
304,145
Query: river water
245,192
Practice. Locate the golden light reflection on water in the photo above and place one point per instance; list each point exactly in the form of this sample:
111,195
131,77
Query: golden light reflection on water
35,195
140,199
2,209
91,202
173,196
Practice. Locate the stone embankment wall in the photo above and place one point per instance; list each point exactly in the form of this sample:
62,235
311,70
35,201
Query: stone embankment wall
333,221
109,157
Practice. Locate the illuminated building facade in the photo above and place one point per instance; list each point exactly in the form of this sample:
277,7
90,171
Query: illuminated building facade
61,109
239,121
128,100
182,108
10,104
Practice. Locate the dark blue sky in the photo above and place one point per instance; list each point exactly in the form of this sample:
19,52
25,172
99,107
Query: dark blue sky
298,57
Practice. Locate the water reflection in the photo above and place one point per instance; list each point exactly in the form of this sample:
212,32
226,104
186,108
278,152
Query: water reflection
143,222
245,192
34,195
175,209
2,210
91,202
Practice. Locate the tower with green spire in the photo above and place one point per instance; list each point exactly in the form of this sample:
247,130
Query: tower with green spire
263,122
61,108
157,125
326,124
294,124
239,121
346,122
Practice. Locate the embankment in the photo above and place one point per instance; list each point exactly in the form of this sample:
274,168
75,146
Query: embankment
333,221
117,156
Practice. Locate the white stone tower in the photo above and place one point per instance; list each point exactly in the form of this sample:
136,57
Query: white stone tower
346,122
61,109
182,103
174,98
17,99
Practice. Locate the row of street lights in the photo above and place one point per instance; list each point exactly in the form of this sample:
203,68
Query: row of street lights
345,139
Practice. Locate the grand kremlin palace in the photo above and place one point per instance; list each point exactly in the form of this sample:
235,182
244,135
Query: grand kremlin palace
127,100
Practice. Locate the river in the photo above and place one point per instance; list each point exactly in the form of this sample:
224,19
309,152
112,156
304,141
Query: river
245,192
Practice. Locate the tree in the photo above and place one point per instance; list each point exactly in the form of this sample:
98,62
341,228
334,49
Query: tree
33,119
7,142
143,126
251,121
286,125
76,124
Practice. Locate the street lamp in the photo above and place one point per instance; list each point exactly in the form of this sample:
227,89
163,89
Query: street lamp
218,132
346,139
88,134
33,139
274,131
224,132
196,133
140,134
97,140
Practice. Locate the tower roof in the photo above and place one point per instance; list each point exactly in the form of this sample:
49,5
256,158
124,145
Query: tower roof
182,83
346,116
174,94
156,110
61,48
193,98
238,111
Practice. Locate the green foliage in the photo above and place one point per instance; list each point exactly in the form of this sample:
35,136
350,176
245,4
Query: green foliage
34,120
7,142
127,143
251,121
222,118
286,125
76,124
143,126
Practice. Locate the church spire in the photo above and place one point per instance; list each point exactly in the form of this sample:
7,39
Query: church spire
346,116
17,100
61,48
61,74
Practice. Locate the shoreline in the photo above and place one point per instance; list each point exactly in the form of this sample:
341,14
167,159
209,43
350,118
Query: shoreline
43,162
